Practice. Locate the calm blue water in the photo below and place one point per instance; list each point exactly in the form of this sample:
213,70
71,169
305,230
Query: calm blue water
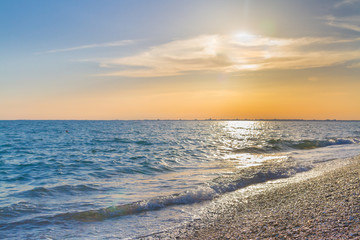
118,179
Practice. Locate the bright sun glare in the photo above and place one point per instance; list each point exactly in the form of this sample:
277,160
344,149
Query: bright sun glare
244,37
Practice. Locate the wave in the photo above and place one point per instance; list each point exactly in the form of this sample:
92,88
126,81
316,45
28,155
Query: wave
124,141
29,213
257,150
278,145
270,170
19,208
311,144
40,192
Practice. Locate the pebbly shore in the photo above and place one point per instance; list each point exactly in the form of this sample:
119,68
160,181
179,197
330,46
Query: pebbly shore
323,207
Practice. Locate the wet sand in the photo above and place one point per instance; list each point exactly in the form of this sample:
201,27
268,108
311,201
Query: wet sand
323,207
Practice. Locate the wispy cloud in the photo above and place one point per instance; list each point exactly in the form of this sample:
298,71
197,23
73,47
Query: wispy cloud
345,2
354,65
88,46
351,23
225,53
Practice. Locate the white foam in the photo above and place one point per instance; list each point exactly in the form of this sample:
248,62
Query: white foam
325,154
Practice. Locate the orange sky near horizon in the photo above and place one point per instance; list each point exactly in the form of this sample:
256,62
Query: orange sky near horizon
308,100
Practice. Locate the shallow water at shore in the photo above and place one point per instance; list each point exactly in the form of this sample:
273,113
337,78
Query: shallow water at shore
318,204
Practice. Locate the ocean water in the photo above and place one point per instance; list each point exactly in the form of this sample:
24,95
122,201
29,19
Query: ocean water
125,179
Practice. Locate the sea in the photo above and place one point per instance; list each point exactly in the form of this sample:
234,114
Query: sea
127,179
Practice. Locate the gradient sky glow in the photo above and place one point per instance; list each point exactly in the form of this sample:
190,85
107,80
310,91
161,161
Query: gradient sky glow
171,59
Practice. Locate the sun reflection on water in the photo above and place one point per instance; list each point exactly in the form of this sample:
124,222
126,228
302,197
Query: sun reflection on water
246,143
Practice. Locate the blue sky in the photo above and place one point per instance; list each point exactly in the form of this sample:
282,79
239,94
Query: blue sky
179,59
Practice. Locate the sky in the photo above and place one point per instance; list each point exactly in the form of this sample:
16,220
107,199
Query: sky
180,59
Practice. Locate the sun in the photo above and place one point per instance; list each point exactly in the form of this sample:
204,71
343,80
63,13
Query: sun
245,38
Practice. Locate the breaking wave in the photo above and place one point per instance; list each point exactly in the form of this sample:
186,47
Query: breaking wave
278,145
269,170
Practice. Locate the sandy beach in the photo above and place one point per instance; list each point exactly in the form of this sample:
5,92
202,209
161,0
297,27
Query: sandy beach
323,207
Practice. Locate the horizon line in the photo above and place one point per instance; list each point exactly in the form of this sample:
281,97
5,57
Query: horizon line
193,119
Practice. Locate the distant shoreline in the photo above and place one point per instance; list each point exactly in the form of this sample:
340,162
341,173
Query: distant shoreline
200,120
